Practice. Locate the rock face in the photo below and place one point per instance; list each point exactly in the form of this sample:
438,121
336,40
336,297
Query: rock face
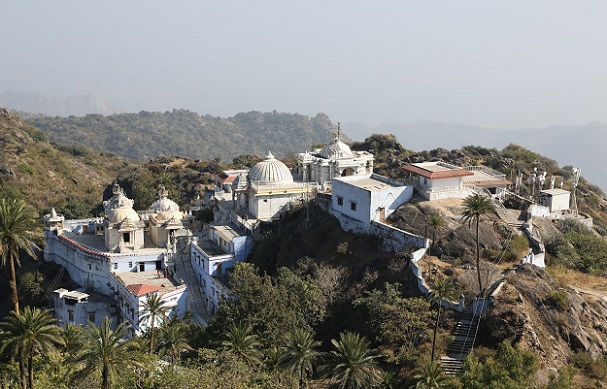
551,319
457,239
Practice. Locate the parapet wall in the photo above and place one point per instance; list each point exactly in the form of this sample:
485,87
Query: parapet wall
397,240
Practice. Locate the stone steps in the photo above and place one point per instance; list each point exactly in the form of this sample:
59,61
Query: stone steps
463,343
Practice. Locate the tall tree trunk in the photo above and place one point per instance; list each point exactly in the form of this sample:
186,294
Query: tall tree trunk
478,257
105,377
30,369
13,282
152,334
433,239
22,373
435,329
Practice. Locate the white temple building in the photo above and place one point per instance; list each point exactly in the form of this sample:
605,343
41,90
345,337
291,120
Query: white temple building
262,194
334,160
122,256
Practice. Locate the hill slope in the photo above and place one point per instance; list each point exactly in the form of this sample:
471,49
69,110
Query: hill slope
46,174
144,135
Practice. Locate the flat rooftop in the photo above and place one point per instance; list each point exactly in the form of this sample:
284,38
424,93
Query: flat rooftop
370,183
149,278
436,170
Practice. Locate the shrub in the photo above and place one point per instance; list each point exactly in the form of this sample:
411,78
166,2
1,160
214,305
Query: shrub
558,299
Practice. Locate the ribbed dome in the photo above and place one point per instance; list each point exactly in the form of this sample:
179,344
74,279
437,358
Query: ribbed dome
336,149
119,207
117,215
167,215
270,171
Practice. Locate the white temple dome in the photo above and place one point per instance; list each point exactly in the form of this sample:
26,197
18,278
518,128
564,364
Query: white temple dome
119,207
163,204
117,215
336,149
270,171
168,215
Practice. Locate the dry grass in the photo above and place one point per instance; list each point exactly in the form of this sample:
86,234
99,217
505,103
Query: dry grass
581,280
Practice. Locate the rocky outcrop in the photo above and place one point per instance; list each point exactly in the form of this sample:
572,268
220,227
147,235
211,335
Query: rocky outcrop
554,320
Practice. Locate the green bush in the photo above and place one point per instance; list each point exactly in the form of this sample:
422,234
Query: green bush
558,299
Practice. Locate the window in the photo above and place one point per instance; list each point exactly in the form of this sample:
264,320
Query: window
130,265
90,267
353,206
70,315
116,266
340,200
126,237
92,317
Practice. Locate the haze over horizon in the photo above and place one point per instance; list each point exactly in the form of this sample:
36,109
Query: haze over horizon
520,64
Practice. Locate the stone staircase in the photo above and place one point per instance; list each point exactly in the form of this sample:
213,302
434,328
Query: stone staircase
463,343
184,270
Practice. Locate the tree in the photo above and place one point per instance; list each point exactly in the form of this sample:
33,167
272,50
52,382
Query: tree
106,351
430,377
152,309
240,341
437,222
441,288
353,364
19,230
299,356
395,320
171,340
27,334
475,206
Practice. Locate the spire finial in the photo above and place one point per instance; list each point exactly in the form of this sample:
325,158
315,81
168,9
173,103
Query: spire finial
338,130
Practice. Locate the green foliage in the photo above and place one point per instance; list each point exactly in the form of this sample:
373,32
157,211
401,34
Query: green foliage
396,320
26,169
31,285
519,245
244,161
511,368
145,135
583,252
558,299
270,307
596,368
352,363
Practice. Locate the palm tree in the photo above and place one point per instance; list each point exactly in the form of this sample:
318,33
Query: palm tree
441,288
106,351
353,364
19,230
153,307
430,377
299,355
171,340
475,206
28,333
72,338
242,343
437,222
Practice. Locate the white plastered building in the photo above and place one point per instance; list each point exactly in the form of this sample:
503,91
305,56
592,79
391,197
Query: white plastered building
336,159
119,257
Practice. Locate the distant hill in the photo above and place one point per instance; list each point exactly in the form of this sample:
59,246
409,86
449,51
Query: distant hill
579,146
54,106
145,135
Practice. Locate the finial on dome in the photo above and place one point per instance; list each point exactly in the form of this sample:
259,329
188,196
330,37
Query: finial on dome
116,189
269,156
338,131
53,213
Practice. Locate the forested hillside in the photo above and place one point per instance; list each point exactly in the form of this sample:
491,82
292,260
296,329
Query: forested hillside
145,135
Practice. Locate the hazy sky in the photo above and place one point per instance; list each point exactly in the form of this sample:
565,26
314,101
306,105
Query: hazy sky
503,63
